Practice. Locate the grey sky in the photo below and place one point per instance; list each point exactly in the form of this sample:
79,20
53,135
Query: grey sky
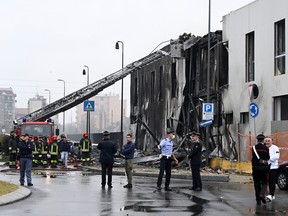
45,40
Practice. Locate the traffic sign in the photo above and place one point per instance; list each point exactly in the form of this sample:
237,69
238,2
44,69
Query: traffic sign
206,123
89,106
208,111
254,110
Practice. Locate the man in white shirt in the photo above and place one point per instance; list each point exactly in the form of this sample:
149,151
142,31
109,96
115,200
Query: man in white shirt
273,162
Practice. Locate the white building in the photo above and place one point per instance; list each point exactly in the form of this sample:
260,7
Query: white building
257,44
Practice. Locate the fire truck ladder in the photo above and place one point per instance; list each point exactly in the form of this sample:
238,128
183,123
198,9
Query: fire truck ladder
91,90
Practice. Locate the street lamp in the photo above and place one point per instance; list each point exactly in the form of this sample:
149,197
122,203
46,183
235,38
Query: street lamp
61,80
208,80
88,112
121,122
49,94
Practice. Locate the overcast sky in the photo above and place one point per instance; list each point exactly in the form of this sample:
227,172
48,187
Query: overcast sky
45,40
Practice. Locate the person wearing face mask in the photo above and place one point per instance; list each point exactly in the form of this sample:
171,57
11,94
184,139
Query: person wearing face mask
166,147
195,161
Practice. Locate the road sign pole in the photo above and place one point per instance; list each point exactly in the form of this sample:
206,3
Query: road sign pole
255,127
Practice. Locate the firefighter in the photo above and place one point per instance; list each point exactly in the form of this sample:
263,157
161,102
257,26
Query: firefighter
36,152
12,150
54,152
44,151
86,146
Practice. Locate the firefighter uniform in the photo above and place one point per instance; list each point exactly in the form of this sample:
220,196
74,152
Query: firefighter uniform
36,152
54,152
86,146
44,151
12,150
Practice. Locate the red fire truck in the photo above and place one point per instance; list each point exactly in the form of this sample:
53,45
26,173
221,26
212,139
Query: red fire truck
38,129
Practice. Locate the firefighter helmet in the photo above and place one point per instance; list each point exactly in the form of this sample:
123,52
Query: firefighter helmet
85,134
54,137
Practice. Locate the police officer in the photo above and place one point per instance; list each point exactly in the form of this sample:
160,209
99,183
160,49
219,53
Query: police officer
260,168
108,149
195,160
25,154
166,147
86,147
12,150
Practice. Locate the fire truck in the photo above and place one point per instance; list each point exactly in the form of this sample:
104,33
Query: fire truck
37,129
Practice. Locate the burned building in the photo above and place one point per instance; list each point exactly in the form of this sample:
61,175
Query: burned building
169,93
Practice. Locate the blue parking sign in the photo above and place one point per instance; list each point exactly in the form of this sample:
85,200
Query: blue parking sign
208,111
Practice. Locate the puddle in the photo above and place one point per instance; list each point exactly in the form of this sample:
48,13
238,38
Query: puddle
197,207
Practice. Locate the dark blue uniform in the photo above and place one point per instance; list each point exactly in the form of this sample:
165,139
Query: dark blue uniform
260,171
108,149
195,163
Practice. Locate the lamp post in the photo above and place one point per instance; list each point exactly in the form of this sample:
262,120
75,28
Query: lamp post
61,80
88,112
49,94
121,121
208,81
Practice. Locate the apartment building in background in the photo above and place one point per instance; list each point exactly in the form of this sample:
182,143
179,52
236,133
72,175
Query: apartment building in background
7,109
106,116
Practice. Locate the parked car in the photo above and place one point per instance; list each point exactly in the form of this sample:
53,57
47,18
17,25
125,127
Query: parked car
282,176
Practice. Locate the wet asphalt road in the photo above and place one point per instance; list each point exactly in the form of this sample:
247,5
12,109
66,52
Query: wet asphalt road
77,193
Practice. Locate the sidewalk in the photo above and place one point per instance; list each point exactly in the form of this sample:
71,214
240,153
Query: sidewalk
19,194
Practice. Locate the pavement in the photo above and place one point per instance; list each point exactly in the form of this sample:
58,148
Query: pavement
23,192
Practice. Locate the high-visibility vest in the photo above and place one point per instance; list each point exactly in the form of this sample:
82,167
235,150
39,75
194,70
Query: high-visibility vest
44,149
86,145
54,148
36,148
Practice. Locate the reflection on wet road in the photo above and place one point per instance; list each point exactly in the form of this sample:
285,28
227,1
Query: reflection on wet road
80,193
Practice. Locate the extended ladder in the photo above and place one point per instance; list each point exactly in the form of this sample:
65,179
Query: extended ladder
91,90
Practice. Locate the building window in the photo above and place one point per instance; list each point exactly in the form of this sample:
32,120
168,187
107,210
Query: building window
173,80
280,108
229,118
250,57
244,117
279,47
152,86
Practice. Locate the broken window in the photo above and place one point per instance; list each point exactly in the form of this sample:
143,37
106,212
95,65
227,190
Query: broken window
152,86
229,118
280,108
173,80
142,89
279,48
250,57
135,92
244,117
160,83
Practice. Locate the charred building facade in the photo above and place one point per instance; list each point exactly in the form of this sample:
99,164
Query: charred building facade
169,93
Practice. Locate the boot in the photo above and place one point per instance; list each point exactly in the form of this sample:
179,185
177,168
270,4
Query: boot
128,186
